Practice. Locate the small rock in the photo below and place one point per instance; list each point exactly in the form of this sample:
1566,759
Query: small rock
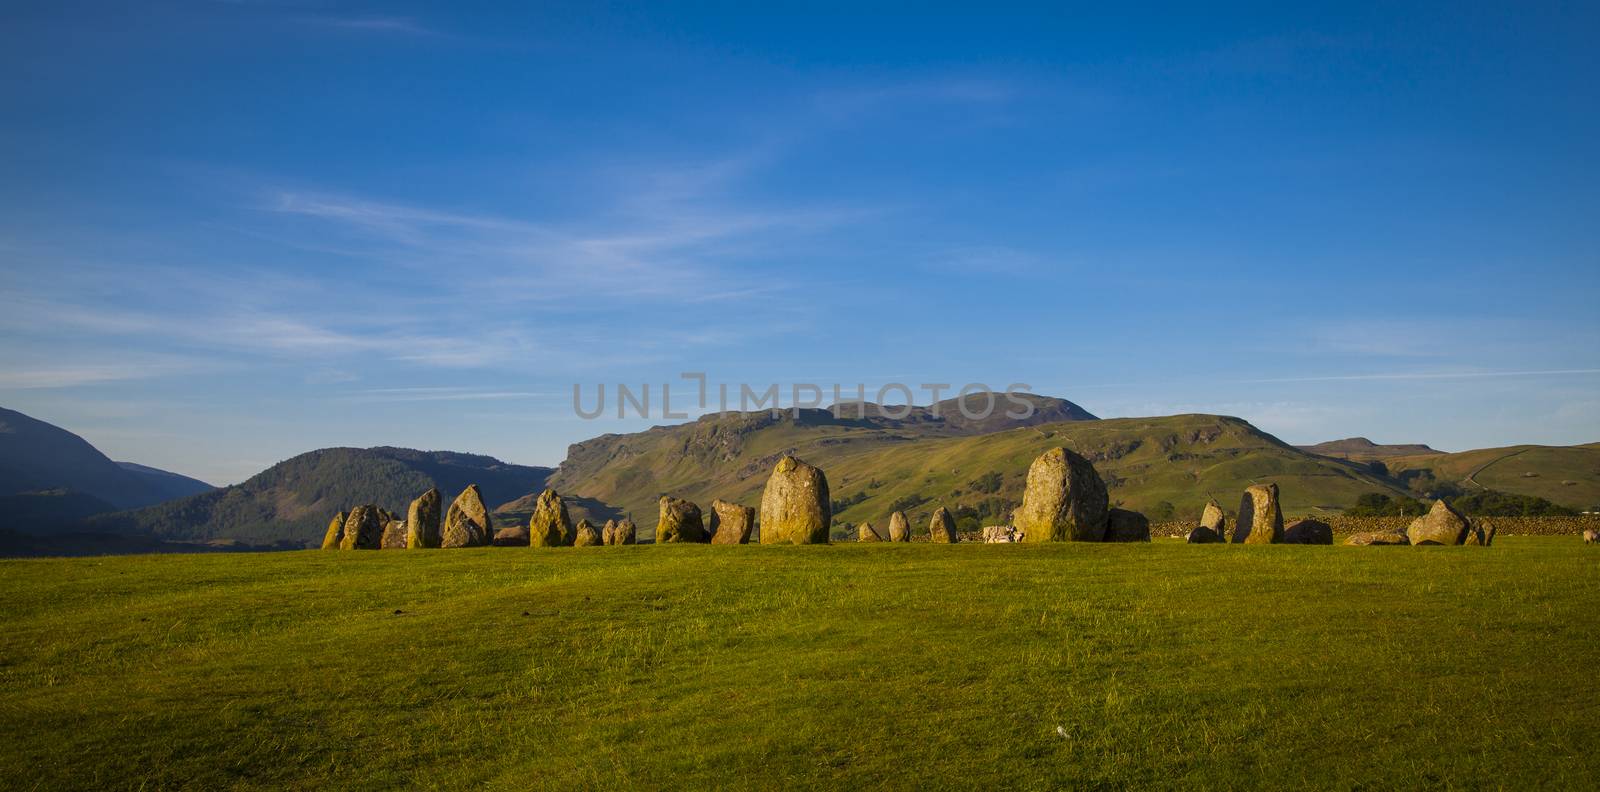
1308,532
1123,525
1203,535
731,523
866,533
1442,525
680,522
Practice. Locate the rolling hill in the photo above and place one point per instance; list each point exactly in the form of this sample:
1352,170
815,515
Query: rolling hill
1165,466
1566,475
291,501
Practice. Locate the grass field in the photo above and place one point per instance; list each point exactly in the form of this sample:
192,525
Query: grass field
900,666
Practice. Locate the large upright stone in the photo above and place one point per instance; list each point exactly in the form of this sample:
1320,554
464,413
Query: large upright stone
330,540
620,532
550,526
866,533
942,527
795,508
1213,518
362,529
680,522
731,523
1260,519
899,527
1123,525
394,536
1065,500
1308,531
585,535
467,523
422,521
1442,525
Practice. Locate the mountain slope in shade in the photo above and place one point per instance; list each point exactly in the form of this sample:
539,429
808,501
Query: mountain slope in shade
37,457
1361,449
170,485
293,500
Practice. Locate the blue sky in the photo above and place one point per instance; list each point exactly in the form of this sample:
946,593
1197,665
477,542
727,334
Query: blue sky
231,232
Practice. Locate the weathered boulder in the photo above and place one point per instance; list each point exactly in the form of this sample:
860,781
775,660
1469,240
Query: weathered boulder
1212,517
1123,525
731,523
422,521
1489,530
330,540
550,526
866,533
1260,519
1203,535
1442,525
794,507
680,522
1377,538
362,531
1308,531
999,534
467,522
899,527
514,536
585,535
942,528
394,536
1065,500
622,532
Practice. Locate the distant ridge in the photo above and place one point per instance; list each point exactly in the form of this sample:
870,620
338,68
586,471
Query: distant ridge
43,459
1361,449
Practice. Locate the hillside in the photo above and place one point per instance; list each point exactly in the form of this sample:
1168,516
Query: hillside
1360,449
1567,475
292,500
1163,466
170,485
36,457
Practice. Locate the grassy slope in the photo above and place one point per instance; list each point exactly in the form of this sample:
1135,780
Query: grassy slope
1503,468
905,666
1180,459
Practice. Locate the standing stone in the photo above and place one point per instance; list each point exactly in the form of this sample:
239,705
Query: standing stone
1123,525
899,527
1065,500
422,521
1213,518
1308,532
467,523
362,531
330,540
794,507
680,522
585,535
731,523
1380,538
1203,535
623,532
942,528
394,536
550,526
1489,530
866,533
1260,519
1591,536
1442,525
607,531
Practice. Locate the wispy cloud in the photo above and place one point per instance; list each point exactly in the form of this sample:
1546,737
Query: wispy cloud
373,24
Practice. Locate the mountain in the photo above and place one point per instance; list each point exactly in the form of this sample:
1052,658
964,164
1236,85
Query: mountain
293,500
169,485
1167,466
37,457
1361,449
1565,475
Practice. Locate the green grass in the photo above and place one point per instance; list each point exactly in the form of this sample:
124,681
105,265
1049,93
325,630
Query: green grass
902,666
